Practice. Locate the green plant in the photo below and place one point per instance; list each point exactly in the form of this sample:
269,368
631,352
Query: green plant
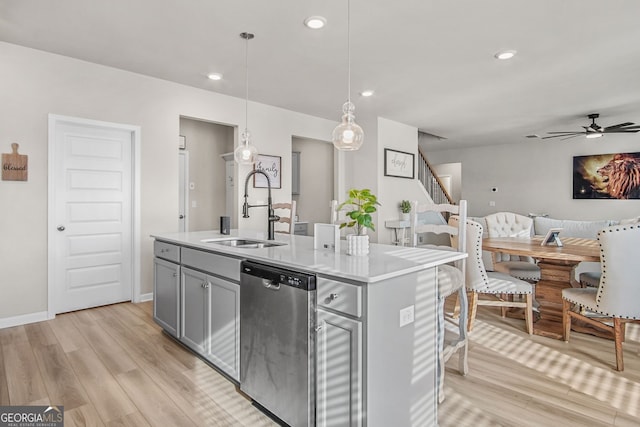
361,204
405,206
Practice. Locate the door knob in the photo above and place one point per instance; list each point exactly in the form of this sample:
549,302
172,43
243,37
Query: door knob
60,228
181,217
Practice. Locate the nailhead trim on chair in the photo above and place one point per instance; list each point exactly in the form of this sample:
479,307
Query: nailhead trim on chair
603,262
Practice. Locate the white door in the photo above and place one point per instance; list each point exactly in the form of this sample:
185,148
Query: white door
91,208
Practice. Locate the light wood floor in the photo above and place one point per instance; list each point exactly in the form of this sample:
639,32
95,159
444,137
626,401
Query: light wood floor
112,366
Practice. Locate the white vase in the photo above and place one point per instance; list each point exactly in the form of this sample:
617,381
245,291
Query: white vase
357,245
405,216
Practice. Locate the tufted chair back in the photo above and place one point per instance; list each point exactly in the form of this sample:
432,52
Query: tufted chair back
509,224
476,275
619,293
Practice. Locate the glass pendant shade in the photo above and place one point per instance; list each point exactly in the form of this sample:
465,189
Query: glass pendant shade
348,135
246,153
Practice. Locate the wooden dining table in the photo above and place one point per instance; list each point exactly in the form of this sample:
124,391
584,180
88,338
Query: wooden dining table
557,271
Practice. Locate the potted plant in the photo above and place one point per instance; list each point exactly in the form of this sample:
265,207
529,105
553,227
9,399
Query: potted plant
405,208
360,205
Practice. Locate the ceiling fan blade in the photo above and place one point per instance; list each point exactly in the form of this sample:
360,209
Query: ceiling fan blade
563,135
623,131
566,132
619,125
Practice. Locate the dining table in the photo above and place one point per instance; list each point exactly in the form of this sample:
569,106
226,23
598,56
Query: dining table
557,272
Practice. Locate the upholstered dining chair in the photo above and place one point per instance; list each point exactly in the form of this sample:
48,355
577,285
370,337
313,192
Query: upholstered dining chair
509,224
287,214
616,298
492,283
590,279
450,280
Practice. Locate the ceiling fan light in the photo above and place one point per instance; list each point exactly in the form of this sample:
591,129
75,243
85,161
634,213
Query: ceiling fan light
594,135
505,54
315,22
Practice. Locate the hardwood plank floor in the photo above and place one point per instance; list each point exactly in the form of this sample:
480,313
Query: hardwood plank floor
112,366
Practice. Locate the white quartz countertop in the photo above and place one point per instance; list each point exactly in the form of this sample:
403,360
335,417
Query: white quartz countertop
383,261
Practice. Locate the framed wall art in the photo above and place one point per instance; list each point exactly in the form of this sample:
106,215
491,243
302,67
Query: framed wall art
272,166
607,176
399,164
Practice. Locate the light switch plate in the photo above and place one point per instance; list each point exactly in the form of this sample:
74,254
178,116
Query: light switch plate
407,315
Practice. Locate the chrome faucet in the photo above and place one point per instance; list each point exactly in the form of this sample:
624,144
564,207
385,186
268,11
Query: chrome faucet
271,216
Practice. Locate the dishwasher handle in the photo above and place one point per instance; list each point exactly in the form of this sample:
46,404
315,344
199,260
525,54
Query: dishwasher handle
270,284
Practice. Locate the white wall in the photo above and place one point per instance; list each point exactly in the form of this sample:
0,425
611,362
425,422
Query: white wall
34,84
536,176
392,190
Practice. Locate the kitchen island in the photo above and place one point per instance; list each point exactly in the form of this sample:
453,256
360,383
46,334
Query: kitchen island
374,319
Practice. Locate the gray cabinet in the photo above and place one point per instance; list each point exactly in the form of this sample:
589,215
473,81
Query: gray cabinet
194,307
295,172
224,326
301,228
210,315
339,371
166,292
339,356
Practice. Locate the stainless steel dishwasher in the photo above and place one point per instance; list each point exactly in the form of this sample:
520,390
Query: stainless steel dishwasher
277,341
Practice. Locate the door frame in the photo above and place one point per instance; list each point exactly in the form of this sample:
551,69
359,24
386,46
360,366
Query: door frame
54,119
183,156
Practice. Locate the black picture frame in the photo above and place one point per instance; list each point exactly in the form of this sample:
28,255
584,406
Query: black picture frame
613,176
399,164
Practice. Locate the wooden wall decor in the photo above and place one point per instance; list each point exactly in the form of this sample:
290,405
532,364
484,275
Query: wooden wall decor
15,167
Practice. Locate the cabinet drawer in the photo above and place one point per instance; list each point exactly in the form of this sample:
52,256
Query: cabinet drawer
300,228
167,251
340,296
212,263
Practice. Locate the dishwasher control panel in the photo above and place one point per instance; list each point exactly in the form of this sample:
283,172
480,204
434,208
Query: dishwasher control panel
278,275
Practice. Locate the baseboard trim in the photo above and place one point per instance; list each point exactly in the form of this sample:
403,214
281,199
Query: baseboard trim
23,319
146,297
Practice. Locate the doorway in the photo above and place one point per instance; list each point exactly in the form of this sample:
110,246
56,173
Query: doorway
94,247
205,175
315,176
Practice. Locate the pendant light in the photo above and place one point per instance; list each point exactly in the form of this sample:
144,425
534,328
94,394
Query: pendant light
246,153
348,135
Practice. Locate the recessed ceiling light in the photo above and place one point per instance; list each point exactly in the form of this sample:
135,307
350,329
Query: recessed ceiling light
505,54
215,76
315,22
367,93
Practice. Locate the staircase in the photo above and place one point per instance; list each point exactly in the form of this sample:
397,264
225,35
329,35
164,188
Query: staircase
431,182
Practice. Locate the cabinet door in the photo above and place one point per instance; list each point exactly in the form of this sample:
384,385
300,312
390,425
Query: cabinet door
339,371
195,300
224,326
166,295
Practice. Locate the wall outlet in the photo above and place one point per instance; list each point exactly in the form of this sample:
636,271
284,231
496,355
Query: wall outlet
407,315
194,203
492,203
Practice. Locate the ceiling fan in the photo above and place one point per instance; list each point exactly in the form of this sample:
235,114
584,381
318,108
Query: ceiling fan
595,131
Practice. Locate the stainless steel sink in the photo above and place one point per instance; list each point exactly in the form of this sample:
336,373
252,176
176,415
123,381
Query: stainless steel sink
243,243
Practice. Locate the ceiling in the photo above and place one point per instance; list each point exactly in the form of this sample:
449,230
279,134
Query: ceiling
431,63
